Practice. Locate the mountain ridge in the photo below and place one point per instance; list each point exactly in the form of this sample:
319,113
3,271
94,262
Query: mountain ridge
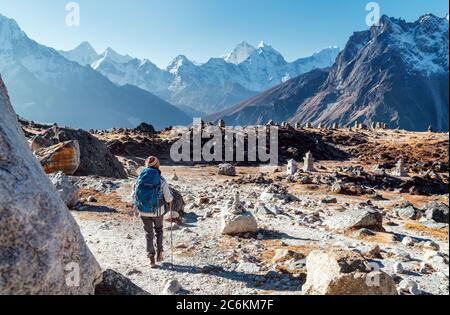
395,73
45,86
215,84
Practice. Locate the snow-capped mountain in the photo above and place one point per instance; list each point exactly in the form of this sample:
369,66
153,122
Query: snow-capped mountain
240,53
84,54
45,86
216,84
395,73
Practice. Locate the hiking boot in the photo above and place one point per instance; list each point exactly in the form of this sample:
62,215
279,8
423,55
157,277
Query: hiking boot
153,262
160,257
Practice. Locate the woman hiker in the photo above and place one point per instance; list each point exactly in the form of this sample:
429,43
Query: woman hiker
151,195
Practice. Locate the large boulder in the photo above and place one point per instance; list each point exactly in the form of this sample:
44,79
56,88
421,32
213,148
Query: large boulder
69,192
41,248
355,219
95,156
233,224
340,272
64,156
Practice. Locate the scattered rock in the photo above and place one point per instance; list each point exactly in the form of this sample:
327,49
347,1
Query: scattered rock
329,200
172,287
406,211
409,286
408,241
283,255
437,212
398,268
248,268
374,253
227,169
69,192
340,272
114,283
356,219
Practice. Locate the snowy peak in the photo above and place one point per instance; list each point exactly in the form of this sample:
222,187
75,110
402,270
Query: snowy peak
240,53
84,54
111,54
10,32
178,63
422,45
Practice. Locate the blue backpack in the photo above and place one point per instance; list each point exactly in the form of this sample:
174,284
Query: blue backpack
148,196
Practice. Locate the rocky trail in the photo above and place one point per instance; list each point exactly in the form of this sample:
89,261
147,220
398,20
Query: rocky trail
292,222
366,214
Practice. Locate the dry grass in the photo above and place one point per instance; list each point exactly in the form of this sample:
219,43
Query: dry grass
442,234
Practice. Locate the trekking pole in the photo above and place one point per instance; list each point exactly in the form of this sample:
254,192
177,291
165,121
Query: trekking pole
171,234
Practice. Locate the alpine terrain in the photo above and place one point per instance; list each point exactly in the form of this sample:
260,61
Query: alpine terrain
45,86
209,87
395,73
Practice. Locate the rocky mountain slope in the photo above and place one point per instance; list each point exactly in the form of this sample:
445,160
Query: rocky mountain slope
396,73
44,86
209,87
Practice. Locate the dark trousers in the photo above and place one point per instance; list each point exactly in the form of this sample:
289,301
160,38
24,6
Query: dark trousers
154,226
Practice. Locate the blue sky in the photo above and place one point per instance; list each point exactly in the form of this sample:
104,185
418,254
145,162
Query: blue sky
162,29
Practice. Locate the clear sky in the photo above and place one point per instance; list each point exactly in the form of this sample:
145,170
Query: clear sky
162,29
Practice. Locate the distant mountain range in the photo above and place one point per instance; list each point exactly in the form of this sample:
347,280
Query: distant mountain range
205,88
396,73
45,86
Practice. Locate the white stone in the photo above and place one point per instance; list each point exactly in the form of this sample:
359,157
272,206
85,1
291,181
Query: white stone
408,241
309,163
291,167
236,224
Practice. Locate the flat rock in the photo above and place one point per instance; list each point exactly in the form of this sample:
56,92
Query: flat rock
356,219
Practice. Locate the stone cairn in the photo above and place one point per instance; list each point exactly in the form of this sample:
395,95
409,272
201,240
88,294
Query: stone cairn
291,167
309,163
400,169
298,126
237,207
335,126
430,129
222,124
308,126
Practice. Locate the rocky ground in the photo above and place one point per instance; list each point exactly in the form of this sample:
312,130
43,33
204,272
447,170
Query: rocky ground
206,262
349,217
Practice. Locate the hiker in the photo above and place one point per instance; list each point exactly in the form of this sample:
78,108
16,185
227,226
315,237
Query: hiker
151,196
